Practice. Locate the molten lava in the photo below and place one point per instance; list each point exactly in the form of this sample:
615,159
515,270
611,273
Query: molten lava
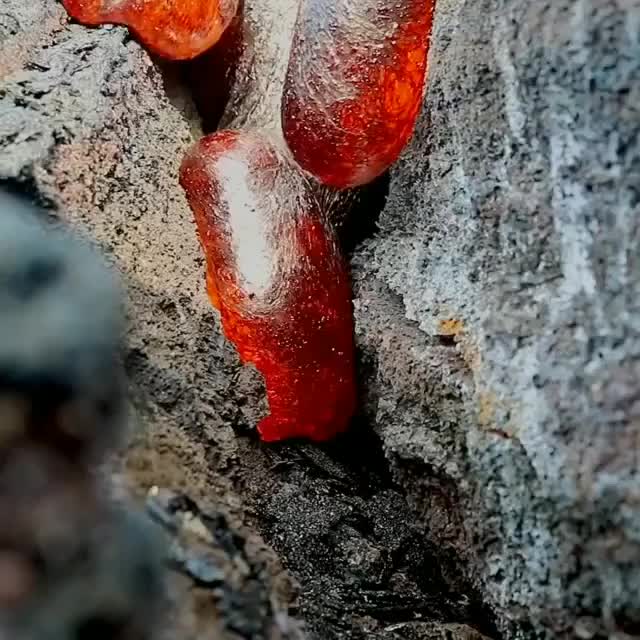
174,29
354,85
276,274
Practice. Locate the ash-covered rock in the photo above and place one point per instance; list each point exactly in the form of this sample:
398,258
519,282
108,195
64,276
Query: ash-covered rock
498,308
496,312
209,552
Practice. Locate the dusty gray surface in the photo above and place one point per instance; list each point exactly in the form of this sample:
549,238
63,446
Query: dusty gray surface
95,129
495,317
499,309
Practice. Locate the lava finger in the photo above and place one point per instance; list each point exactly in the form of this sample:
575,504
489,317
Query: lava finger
354,85
174,29
276,273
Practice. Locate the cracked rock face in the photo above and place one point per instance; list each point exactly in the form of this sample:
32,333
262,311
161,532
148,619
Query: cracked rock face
498,308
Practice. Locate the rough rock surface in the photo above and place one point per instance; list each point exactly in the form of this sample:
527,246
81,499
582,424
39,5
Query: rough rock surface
95,129
495,317
498,308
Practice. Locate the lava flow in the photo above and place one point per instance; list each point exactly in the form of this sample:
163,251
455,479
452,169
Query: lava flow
276,274
354,85
174,29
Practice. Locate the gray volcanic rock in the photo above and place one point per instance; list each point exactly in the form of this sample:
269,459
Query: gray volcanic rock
498,307
496,317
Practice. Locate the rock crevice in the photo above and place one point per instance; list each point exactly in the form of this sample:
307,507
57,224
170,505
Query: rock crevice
496,306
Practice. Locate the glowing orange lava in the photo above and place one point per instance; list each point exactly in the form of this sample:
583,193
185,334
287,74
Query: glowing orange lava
175,29
354,85
276,274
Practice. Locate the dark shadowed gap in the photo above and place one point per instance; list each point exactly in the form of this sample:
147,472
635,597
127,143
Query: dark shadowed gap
210,77
360,220
200,88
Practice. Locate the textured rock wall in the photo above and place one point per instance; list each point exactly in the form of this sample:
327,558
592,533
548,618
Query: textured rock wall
496,316
498,309
95,129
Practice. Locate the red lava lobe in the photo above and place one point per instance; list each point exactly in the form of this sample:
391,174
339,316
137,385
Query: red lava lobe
174,29
354,85
276,274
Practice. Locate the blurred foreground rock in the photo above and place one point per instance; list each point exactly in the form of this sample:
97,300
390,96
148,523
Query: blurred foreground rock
72,564
61,330
496,306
